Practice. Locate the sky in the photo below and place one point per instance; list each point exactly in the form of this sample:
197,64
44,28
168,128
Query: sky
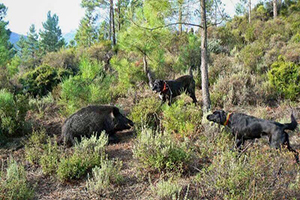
22,13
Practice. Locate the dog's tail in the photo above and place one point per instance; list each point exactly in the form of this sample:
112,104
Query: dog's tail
190,71
291,126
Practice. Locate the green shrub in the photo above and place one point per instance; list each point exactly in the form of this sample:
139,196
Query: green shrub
64,59
146,113
235,89
34,147
91,86
13,110
168,189
128,75
104,176
87,154
181,119
251,56
285,78
160,152
42,79
244,176
14,184
50,157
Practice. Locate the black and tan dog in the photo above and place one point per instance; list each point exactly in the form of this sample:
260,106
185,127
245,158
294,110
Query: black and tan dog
172,88
245,127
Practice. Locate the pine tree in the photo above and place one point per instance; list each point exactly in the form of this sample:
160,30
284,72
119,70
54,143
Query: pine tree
51,37
86,34
6,48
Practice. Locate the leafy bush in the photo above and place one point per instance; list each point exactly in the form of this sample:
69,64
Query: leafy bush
87,154
236,89
64,59
251,56
104,176
285,78
34,147
128,75
92,85
168,189
181,119
13,111
14,184
146,113
160,152
50,157
42,79
233,176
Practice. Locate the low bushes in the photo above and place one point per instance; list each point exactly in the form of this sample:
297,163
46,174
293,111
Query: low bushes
104,176
181,119
13,182
90,86
160,152
285,78
87,154
12,112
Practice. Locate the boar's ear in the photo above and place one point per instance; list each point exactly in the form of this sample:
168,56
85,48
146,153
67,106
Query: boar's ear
116,111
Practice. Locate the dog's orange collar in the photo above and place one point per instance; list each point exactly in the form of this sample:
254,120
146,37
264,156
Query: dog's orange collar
165,88
227,119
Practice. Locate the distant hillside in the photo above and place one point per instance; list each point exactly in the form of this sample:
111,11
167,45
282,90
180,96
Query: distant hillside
69,36
14,37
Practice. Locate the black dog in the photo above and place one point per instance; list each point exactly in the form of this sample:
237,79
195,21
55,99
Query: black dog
172,88
246,127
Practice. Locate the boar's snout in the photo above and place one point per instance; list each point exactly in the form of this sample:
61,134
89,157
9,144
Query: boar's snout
123,123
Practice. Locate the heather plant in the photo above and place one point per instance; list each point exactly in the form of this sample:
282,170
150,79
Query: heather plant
146,113
181,119
13,182
234,175
50,156
35,145
104,176
166,189
87,154
161,152
284,77
13,110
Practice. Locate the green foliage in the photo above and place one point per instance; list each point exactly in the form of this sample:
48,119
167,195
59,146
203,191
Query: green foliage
6,48
50,157
168,189
234,176
64,59
35,146
42,79
51,37
87,154
14,184
251,55
104,176
90,86
13,111
181,119
146,113
284,77
160,152
129,75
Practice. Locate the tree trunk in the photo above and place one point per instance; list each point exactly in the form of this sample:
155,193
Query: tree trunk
204,71
274,9
180,18
249,11
147,71
112,23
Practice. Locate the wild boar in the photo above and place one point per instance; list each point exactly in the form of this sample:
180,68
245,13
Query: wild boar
94,119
